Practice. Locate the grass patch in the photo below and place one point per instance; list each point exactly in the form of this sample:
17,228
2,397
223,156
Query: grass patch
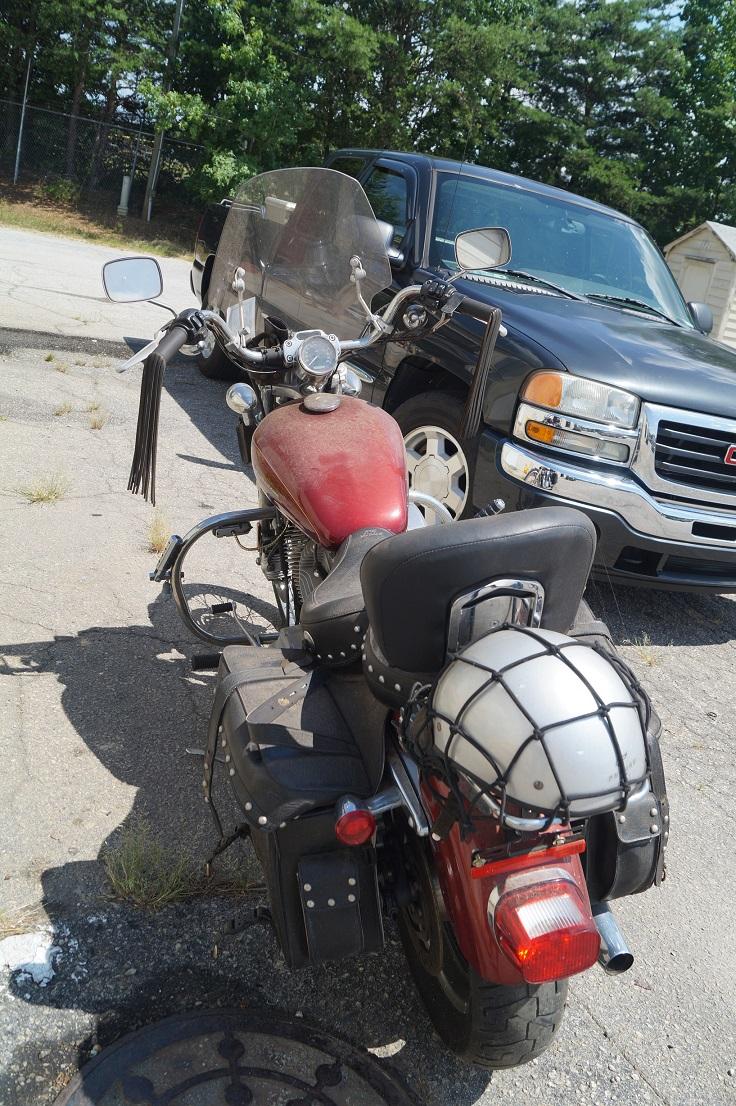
60,367
62,409
140,870
158,533
49,357
60,212
98,421
643,646
92,407
46,489
23,920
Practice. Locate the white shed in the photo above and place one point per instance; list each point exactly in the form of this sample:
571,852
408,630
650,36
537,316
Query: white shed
703,263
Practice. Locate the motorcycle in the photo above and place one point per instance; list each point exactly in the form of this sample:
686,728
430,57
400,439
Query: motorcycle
436,731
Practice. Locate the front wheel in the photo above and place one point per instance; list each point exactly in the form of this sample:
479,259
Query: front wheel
438,460
490,1025
213,363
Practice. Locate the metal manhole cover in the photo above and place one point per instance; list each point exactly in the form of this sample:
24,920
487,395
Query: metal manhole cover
232,1058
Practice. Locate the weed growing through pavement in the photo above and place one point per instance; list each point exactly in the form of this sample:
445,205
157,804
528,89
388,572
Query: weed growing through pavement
49,357
142,871
98,421
13,923
62,409
92,407
158,533
46,489
60,367
643,646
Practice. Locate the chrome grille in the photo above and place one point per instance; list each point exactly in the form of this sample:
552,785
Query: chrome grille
695,455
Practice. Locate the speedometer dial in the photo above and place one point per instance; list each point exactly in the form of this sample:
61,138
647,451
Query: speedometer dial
317,356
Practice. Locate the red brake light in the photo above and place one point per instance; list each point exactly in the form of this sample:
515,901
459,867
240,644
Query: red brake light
547,930
355,827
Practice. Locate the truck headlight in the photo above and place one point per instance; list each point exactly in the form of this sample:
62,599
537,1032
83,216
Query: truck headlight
574,395
582,416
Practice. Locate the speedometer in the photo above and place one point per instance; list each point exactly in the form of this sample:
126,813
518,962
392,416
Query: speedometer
317,356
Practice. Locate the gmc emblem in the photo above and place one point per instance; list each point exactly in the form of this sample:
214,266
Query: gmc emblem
730,458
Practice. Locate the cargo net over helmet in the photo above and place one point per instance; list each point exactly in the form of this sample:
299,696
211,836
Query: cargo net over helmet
532,726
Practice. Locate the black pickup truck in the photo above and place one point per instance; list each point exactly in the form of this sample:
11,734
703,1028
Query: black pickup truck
605,393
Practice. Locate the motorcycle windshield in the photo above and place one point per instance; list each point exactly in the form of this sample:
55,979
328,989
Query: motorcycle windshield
293,232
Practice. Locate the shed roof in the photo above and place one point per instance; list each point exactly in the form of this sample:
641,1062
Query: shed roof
723,231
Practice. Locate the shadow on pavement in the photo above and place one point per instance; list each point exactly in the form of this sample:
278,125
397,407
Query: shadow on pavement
132,700
635,614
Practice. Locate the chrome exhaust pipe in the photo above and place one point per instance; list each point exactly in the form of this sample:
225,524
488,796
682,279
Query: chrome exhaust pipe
615,956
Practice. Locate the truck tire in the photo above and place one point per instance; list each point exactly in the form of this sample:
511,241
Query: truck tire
440,463
214,364
490,1025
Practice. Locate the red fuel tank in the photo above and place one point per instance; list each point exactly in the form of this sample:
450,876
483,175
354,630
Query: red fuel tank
333,472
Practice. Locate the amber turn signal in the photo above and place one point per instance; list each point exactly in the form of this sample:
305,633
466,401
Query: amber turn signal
540,433
544,389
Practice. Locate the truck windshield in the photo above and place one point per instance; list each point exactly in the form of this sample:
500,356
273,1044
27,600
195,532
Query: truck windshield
583,250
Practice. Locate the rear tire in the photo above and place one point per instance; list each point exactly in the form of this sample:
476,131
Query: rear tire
490,1025
440,462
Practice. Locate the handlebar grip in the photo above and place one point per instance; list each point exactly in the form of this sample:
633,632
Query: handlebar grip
172,341
477,308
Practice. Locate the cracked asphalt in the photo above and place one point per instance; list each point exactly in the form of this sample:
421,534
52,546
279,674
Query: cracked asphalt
98,705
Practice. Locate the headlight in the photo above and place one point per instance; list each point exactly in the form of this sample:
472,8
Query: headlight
583,416
574,395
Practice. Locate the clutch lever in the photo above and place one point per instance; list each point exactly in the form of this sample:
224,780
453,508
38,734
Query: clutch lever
142,354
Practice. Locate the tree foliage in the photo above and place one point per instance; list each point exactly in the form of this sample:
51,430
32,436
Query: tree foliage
631,102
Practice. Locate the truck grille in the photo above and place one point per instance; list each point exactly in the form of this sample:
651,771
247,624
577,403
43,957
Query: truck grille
695,455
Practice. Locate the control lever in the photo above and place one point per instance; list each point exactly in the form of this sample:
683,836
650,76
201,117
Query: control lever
493,508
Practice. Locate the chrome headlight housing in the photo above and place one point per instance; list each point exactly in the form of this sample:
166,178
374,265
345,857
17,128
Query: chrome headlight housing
580,415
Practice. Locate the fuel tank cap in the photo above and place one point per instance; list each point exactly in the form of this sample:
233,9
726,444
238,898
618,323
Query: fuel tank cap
320,402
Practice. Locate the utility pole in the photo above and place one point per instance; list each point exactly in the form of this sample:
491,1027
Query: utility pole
158,140
16,172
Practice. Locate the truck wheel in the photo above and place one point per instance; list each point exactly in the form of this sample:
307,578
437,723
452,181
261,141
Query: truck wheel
213,363
490,1025
439,462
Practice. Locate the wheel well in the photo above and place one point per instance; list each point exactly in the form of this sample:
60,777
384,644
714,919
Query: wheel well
415,376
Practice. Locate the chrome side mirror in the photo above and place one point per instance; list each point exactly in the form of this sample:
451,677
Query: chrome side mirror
132,279
702,316
484,248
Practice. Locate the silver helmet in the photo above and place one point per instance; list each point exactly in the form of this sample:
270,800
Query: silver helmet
542,720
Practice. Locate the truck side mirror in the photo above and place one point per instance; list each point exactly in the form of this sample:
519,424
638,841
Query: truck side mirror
702,316
484,248
132,279
396,256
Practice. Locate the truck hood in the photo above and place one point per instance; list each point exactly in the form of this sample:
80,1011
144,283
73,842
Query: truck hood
654,359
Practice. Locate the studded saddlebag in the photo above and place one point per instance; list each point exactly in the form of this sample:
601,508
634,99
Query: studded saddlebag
625,849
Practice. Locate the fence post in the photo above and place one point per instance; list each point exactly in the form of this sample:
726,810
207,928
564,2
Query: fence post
16,171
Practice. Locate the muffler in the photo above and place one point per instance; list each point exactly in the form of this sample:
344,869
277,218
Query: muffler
615,956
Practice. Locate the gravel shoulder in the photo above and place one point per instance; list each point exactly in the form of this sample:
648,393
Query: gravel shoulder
98,705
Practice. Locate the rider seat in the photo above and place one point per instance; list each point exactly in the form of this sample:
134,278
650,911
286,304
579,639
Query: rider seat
411,581
333,614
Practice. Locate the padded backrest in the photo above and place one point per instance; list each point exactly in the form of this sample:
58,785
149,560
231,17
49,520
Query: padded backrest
410,580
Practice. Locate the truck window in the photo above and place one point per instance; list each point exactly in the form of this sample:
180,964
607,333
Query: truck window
350,166
587,251
388,194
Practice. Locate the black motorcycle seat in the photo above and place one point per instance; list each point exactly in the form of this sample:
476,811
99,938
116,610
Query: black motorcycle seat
297,738
333,611
410,581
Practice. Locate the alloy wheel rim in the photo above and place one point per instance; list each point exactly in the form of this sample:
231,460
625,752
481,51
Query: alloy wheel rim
438,467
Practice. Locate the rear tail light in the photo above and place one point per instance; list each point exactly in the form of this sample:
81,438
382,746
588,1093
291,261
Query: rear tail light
355,827
543,923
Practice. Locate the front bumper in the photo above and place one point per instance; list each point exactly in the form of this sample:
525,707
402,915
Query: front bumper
641,538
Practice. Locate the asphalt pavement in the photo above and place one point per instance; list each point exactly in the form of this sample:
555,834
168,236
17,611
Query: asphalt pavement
98,705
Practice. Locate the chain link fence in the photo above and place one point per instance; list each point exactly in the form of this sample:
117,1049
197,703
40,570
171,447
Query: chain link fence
75,157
